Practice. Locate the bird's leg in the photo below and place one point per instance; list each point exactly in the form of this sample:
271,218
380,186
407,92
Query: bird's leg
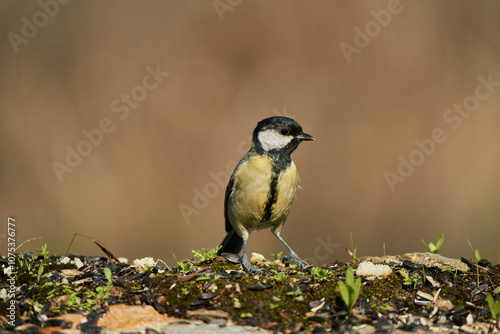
293,255
244,259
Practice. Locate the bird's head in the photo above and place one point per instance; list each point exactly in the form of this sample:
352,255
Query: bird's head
278,134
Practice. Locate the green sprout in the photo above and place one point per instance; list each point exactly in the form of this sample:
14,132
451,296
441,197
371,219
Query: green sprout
434,248
320,274
30,266
108,275
147,268
236,303
205,277
414,279
80,298
103,291
477,258
353,250
278,256
274,306
183,267
296,294
350,289
40,272
279,277
207,254
44,252
25,262
494,307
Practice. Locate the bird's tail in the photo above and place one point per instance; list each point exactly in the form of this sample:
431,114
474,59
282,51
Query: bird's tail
232,243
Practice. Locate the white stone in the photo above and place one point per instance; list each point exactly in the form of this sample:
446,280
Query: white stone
78,263
373,270
143,263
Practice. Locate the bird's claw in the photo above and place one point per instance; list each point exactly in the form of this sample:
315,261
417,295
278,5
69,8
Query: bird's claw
249,268
301,263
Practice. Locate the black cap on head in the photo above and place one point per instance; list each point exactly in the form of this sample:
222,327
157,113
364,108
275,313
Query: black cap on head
286,127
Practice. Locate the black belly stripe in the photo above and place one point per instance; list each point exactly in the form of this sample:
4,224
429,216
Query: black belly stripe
272,196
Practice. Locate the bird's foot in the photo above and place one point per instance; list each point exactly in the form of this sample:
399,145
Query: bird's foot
301,263
250,268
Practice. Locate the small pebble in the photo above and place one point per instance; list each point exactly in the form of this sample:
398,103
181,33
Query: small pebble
232,258
208,295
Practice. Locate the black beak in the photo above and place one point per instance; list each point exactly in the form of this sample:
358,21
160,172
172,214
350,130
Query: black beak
304,136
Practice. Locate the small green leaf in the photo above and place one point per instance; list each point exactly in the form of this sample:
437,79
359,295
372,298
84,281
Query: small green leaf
108,274
350,290
494,306
277,256
357,289
205,277
344,293
434,248
40,272
440,242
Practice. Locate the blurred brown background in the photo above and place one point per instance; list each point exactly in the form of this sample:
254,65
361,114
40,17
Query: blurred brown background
69,67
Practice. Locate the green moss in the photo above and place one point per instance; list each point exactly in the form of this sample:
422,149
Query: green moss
385,288
262,305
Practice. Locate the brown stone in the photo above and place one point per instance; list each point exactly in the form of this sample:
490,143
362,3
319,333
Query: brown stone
427,259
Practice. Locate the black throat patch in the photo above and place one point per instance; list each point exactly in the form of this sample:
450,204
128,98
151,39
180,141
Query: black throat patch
272,196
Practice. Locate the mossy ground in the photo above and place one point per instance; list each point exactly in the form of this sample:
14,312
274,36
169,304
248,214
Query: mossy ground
276,300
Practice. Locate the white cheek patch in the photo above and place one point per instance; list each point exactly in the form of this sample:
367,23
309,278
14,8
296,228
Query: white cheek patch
271,140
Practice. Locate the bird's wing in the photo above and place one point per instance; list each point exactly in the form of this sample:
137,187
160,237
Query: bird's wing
229,190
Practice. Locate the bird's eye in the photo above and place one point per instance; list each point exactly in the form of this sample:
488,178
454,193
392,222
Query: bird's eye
284,132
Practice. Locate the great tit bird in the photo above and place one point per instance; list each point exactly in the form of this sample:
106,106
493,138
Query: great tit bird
262,187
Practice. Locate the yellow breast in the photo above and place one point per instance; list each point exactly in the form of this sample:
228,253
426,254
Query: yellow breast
287,185
246,207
